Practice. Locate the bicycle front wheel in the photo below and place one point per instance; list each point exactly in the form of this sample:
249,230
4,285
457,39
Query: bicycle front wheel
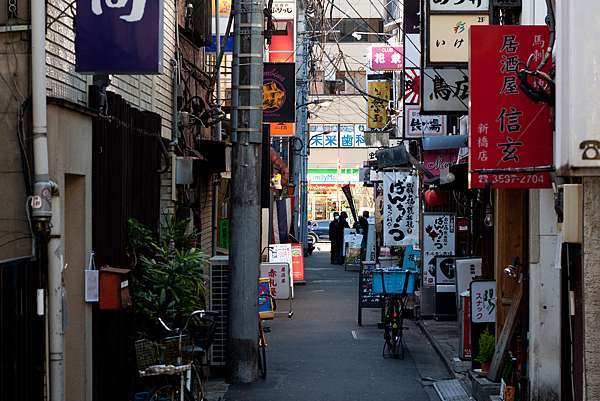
262,361
169,392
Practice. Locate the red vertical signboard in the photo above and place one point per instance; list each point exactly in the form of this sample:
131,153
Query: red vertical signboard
298,263
510,135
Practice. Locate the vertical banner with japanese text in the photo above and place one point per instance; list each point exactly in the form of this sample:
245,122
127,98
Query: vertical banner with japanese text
400,208
379,98
510,138
119,37
439,239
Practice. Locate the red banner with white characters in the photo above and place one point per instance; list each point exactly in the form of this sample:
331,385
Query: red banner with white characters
508,131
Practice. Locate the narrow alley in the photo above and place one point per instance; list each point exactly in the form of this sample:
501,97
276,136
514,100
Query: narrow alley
322,355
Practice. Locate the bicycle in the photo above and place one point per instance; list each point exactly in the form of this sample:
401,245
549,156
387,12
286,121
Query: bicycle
266,311
177,363
394,285
394,325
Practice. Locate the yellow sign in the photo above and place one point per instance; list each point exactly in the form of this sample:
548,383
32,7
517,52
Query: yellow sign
224,8
379,97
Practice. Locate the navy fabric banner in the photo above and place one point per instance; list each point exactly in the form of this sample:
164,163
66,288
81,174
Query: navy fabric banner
119,36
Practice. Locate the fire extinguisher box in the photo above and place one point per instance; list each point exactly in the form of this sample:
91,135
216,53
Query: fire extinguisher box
111,284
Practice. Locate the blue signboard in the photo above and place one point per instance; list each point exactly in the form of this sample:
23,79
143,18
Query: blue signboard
119,36
213,46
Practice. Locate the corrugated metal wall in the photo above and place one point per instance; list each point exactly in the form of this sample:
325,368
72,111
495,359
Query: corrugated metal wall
22,332
126,184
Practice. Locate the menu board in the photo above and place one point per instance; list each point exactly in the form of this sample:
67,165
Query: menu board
366,298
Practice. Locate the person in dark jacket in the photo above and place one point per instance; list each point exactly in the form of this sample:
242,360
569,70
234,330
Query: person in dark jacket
363,224
341,226
333,238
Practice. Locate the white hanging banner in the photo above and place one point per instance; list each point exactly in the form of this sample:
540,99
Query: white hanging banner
92,281
400,209
439,238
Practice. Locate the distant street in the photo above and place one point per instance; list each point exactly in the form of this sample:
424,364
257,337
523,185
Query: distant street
322,355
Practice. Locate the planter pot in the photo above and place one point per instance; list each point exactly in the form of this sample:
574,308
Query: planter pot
485,367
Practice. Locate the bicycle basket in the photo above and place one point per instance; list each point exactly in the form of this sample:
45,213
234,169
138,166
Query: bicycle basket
170,350
146,353
393,281
202,331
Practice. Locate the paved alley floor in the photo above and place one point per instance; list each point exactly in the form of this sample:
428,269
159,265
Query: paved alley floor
322,355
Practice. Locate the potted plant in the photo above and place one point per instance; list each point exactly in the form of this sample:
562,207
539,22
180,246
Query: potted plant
487,344
168,280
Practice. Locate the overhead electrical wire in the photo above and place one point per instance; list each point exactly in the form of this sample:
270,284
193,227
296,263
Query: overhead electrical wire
400,29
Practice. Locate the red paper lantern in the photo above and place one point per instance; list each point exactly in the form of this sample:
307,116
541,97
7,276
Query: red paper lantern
435,197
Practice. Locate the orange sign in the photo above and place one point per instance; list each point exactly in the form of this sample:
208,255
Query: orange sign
281,129
298,263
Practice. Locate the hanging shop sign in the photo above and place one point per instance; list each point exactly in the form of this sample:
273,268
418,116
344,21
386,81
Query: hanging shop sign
359,135
284,10
282,47
279,93
412,16
332,175
467,270
417,125
513,131
459,5
119,37
507,3
445,271
412,85
448,37
337,135
323,136
352,136
483,301
281,129
445,90
387,57
412,50
439,237
439,160
400,209
379,98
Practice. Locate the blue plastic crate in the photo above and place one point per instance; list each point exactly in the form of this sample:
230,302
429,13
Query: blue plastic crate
394,281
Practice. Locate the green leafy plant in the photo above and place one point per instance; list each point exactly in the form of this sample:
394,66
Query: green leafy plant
487,344
168,273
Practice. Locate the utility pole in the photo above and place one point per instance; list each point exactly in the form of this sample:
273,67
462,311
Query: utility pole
301,157
45,203
246,115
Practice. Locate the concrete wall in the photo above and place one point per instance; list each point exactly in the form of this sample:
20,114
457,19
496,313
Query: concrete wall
359,8
14,86
591,286
544,299
70,147
343,109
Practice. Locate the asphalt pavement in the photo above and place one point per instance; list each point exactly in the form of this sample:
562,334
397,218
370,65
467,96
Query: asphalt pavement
322,355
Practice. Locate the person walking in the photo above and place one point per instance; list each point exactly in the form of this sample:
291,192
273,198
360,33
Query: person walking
333,238
343,224
363,225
